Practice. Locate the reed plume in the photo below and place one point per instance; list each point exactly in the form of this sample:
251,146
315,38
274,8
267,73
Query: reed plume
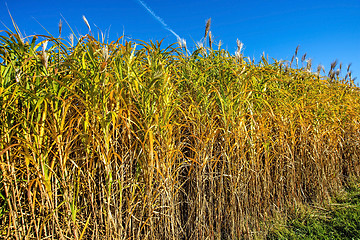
207,28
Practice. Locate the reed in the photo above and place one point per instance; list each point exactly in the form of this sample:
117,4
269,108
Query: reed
133,140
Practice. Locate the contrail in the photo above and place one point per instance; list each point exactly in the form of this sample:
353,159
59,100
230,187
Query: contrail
159,19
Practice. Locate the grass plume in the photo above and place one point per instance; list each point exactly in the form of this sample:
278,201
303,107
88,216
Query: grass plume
207,28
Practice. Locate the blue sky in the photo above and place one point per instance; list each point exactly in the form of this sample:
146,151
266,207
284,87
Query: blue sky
325,30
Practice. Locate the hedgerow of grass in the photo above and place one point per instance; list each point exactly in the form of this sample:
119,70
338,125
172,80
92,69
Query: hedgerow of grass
133,140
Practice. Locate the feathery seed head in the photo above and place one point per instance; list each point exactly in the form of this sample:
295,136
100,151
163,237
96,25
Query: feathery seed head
308,65
220,43
105,52
239,48
86,22
333,64
210,39
286,67
179,41
45,55
331,74
292,59
60,27
303,58
348,68
44,45
239,44
71,38
337,72
296,50
207,27
319,69
182,43
238,55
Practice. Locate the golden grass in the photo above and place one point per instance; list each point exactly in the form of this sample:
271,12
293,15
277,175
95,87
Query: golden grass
139,141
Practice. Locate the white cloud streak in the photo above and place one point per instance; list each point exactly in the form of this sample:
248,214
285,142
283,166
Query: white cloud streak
159,19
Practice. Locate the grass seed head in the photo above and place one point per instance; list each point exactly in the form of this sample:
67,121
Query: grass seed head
239,48
71,38
348,68
287,67
105,52
337,72
308,65
44,45
182,43
207,27
45,59
296,50
292,59
60,27
86,22
239,44
220,43
333,65
331,74
45,55
303,58
319,68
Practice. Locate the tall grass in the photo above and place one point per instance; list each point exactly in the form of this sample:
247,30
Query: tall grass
133,140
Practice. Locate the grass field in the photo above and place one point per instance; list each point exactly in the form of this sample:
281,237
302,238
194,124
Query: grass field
338,220
135,140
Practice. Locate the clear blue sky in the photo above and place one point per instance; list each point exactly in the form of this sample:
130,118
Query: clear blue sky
325,30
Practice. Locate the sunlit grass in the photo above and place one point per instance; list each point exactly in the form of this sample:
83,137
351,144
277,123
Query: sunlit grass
338,220
133,140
